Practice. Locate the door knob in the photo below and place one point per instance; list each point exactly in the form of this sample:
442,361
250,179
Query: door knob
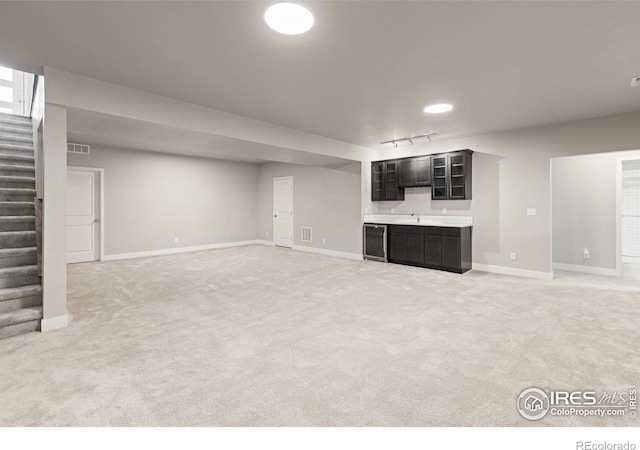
275,215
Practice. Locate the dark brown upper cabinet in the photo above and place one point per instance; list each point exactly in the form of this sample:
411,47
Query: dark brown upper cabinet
448,174
384,181
415,172
377,181
451,175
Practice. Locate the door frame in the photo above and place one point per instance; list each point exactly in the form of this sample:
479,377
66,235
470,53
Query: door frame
273,228
100,173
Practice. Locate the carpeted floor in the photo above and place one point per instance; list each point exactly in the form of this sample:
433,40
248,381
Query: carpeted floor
262,336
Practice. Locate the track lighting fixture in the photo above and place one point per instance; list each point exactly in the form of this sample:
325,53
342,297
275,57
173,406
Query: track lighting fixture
410,139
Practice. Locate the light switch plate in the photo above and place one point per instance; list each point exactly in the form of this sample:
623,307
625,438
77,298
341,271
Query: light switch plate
531,212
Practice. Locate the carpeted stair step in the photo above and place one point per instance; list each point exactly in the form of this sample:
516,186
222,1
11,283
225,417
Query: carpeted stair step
17,239
20,297
20,321
21,129
17,160
17,195
13,120
17,209
20,256
16,141
16,149
19,328
20,316
17,223
18,276
10,170
14,117
9,137
16,129
18,182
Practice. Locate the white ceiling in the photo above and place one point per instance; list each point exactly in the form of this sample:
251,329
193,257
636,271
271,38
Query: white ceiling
364,72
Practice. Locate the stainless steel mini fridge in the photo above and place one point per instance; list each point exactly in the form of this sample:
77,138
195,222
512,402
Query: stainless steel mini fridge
375,242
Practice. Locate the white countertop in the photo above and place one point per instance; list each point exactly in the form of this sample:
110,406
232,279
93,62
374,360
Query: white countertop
420,220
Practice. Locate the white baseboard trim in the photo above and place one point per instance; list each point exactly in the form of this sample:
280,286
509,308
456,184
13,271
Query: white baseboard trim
586,269
335,253
54,323
172,251
320,251
548,276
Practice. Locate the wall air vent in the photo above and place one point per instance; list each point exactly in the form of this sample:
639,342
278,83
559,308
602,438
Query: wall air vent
306,234
635,81
78,148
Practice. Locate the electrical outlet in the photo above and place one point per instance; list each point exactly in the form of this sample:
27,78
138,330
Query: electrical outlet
513,256
444,210
266,233
531,212
324,241
586,254
176,240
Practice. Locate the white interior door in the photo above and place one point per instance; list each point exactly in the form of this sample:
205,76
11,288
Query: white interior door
83,215
283,211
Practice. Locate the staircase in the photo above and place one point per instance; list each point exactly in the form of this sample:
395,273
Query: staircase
20,289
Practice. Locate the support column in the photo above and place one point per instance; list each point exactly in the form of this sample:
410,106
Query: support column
54,218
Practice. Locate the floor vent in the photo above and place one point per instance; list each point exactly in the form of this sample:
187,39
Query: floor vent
306,234
78,148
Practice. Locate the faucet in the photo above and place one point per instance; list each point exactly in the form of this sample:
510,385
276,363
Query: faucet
418,216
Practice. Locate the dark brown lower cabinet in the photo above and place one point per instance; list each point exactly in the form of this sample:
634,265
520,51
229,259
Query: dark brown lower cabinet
397,245
433,250
451,252
443,248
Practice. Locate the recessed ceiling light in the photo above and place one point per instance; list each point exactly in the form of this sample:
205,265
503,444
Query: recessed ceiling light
438,108
289,18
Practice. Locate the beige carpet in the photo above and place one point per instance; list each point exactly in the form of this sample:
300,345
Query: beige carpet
261,336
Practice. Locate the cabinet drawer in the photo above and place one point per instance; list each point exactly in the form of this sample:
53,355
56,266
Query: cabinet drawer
412,229
443,231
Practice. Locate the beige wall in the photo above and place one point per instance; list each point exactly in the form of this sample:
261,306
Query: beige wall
584,197
152,198
584,210
326,199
